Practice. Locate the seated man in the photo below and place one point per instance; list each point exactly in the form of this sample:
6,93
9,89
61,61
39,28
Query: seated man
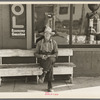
47,51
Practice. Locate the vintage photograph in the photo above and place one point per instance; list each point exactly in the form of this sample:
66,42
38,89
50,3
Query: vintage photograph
50,49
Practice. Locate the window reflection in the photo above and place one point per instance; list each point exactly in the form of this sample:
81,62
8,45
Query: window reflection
85,27
57,17
86,24
79,34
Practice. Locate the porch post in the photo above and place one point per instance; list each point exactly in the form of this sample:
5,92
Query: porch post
29,25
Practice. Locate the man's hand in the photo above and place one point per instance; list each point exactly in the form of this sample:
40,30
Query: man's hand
44,57
48,55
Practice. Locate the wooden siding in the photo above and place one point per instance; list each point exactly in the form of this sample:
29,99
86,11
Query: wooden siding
87,63
96,63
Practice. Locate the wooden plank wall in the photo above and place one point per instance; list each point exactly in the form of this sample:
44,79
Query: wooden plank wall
96,63
87,63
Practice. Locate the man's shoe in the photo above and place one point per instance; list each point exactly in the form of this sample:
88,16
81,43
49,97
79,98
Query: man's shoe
50,90
42,77
41,80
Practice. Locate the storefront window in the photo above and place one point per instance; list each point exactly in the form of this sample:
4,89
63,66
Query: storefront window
62,22
86,28
75,25
57,17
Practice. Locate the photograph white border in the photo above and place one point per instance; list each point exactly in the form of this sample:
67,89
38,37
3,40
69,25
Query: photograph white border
82,93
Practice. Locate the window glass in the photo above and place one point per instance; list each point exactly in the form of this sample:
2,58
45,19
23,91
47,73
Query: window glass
62,22
86,24
57,17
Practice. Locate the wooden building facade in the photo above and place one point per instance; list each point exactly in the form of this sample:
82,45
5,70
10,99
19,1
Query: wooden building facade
19,24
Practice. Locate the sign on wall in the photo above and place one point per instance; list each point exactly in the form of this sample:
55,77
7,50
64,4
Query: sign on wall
18,20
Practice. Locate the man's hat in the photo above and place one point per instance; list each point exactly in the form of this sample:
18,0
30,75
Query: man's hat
48,30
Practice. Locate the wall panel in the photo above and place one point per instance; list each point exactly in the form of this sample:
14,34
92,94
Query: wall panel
96,63
8,41
82,59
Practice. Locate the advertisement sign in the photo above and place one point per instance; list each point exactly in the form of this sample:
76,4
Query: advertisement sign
18,20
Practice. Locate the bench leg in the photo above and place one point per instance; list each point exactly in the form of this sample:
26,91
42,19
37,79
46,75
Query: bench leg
71,78
0,81
37,78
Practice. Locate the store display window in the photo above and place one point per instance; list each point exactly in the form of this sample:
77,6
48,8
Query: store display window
86,25
75,25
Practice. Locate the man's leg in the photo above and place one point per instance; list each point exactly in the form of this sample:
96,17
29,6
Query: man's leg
46,64
50,78
50,86
47,68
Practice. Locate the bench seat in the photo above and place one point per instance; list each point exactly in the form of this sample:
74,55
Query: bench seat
31,65
34,65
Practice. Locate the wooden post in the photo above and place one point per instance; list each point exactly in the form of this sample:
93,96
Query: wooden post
0,60
68,59
0,81
37,78
36,60
71,78
0,63
29,25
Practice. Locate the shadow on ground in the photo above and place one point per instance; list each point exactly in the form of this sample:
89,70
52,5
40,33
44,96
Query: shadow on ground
18,84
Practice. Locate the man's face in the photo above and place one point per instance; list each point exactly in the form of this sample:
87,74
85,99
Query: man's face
47,35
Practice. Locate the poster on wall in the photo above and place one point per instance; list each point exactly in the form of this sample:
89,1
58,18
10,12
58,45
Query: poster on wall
18,20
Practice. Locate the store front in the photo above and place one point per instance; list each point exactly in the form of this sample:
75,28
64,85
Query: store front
76,27
19,23
71,22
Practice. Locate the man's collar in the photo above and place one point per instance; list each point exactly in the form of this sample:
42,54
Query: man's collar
48,40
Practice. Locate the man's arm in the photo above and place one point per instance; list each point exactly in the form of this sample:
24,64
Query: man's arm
37,49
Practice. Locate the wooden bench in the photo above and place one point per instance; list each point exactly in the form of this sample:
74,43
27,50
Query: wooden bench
31,69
